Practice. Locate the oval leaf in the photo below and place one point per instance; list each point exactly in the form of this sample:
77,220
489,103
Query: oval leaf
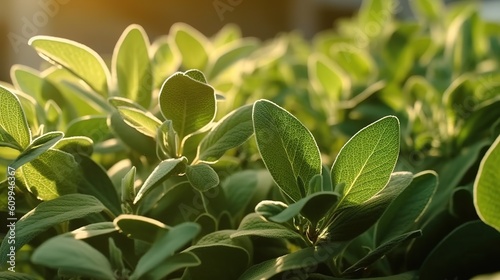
84,261
77,58
188,103
231,131
366,161
14,131
202,177
192,46
164,247
131,65
487,188
51,213
140,227
39,146
164,170
287,148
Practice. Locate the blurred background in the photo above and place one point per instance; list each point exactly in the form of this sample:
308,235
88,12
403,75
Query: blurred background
98,24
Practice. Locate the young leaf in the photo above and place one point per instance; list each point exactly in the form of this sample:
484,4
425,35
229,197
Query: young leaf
144,122
188,103
197,75
39,146
407,208
164,247
140,227
131,66
192,45
14,131
230,132
51,213
287,148
366,161
202,177
80,60
486,187
164,170
128,186
73,256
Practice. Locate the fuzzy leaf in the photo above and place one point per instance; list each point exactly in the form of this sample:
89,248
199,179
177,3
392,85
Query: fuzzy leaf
231,131
487,187
188,103
132,67
287,148
366,161
80,60
14,130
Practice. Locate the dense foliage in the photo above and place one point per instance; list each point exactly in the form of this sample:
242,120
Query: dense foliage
370,152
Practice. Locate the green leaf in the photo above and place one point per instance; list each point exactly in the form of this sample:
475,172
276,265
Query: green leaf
193,46
473,245
230,54
140,227
239,188
487,188
134,139
293,265
254,225
52,174
14,130
97,183
166,60
270,208
351,221
131,65
80,60
94,127
411,275
39,146
197,75
115,256
76,145
7,275
230,132
51,213
128,186
166,141
428,9
163,171
172,264
233,256
91,230
366,161
326,77
188,103
313,207
144,122
287,148
382,250
407,208
202,177
164,247
73,256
